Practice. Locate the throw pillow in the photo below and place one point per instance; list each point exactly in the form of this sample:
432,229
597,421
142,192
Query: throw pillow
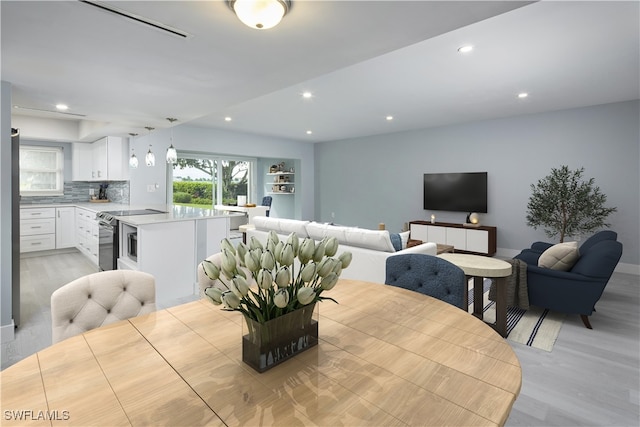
405,238
560,257
396,241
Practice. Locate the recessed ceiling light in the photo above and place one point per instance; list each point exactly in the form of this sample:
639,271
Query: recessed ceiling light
309,132
62,107
523,95
389,118
307,95
465,49
227,119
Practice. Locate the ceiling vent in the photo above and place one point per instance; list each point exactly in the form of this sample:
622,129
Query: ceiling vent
40,110
138,19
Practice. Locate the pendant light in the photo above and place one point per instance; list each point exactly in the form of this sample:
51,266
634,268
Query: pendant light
172,154
150,158
133,160
260,14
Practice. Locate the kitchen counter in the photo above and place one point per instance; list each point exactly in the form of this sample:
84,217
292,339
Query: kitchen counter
173,212
95,207
169,245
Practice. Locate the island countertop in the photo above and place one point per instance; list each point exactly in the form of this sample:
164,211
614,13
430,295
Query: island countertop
169,213
174,213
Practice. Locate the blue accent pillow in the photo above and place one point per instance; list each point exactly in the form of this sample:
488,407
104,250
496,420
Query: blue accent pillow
396,241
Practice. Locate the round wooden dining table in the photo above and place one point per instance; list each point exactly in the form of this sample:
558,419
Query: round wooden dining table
386,357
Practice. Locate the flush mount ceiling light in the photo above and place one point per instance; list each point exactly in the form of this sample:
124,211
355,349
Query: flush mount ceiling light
172,154
523,95
465,49
62,107
150,158
260,14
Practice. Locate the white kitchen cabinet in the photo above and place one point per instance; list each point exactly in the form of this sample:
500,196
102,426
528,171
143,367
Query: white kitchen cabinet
100,164
81,161
87,234
103,160
37,229
65,227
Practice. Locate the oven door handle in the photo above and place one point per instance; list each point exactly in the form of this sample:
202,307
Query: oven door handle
105,224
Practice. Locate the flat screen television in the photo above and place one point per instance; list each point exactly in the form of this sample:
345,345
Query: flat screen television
456,192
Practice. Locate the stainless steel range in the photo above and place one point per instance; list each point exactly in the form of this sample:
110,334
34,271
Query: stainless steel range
109,238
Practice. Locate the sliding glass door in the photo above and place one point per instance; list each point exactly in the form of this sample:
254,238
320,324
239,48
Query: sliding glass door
206,180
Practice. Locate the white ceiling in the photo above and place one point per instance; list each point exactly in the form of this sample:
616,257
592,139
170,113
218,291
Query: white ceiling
362,61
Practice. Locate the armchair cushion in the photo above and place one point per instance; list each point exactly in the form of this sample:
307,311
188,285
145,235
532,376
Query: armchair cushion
560,257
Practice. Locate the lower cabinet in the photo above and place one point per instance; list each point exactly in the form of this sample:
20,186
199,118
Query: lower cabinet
37,229
87,234
479,240
65,227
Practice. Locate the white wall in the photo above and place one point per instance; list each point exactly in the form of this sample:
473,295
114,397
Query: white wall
369,180
192,138
6,322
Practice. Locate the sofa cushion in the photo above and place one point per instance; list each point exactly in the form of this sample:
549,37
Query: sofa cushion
265,223
319,230
560,257
316,230
288,226
369,239
281,225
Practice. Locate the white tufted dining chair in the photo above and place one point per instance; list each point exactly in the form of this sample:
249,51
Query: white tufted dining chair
100,299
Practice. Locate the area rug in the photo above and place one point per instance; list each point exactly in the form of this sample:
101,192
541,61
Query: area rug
536,327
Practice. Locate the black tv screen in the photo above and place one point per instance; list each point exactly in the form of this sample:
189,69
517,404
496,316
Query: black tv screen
457,192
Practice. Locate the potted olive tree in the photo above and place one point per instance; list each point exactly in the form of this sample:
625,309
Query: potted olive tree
565,205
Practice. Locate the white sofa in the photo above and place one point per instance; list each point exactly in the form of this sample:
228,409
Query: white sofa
370,248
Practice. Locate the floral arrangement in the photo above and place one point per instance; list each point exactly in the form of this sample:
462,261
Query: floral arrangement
280,288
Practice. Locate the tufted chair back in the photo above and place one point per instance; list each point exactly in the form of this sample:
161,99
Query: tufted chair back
429,275
100,299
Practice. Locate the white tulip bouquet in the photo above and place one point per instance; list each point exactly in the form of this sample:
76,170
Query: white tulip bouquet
280,288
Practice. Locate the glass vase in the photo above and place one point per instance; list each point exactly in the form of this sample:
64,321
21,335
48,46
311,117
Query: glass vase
265,345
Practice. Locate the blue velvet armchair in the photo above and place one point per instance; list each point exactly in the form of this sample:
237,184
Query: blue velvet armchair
578,290
428,275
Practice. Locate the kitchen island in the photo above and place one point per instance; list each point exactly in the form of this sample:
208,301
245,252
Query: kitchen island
170,246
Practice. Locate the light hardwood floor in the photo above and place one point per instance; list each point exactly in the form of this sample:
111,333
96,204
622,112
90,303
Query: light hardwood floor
591,378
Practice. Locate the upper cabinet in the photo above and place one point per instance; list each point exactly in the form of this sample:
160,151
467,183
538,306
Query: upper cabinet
81,161
103,160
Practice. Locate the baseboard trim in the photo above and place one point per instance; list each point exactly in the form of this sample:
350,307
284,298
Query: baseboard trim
8,332
625,268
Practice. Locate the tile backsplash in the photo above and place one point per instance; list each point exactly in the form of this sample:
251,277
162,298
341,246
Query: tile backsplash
78,192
